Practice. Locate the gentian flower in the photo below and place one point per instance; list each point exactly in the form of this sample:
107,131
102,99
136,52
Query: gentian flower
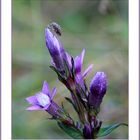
59,55
77,83
56,49
78,62
44,101
79,77
98,87
85,102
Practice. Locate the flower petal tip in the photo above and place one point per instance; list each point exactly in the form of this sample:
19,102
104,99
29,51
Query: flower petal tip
32,108
87,70
45,88
31,100
53,93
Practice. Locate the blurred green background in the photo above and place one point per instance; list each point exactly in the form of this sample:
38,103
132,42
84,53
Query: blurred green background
100,26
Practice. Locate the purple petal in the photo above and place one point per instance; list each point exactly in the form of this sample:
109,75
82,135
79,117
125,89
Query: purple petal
52,42
32,100
98,87
35,107
99,82
87,131
78,61
82,55
68,59
87,70
45,88
80,81
55,48
54,110
53,93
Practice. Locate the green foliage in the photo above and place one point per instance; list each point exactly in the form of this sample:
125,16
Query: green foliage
104,131
71,130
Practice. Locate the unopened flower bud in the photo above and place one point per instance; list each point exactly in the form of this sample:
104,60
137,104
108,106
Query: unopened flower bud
98,87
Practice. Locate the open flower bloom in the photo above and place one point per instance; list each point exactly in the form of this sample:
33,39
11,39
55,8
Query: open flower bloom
98,87
79,77
78,62
44,101
56,49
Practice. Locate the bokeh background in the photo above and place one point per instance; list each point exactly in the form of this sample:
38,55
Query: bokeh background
99,26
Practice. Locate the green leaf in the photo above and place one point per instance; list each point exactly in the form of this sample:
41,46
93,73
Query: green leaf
108,129
67,70
73,68
70,130
54,69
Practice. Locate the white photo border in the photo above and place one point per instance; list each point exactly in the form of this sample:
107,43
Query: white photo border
6,69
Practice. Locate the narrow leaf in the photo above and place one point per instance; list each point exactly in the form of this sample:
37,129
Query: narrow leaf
55,70
108,129
67,70
73,69
70,130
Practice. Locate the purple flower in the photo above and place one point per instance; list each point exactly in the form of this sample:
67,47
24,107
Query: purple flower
44,101
78,62
87,131
56,49
98,87
58,55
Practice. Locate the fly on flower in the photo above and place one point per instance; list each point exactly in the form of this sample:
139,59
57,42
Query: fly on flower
55,28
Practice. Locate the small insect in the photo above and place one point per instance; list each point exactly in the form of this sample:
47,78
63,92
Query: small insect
55,27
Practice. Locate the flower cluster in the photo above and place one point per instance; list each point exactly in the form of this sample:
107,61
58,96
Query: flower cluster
85,100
